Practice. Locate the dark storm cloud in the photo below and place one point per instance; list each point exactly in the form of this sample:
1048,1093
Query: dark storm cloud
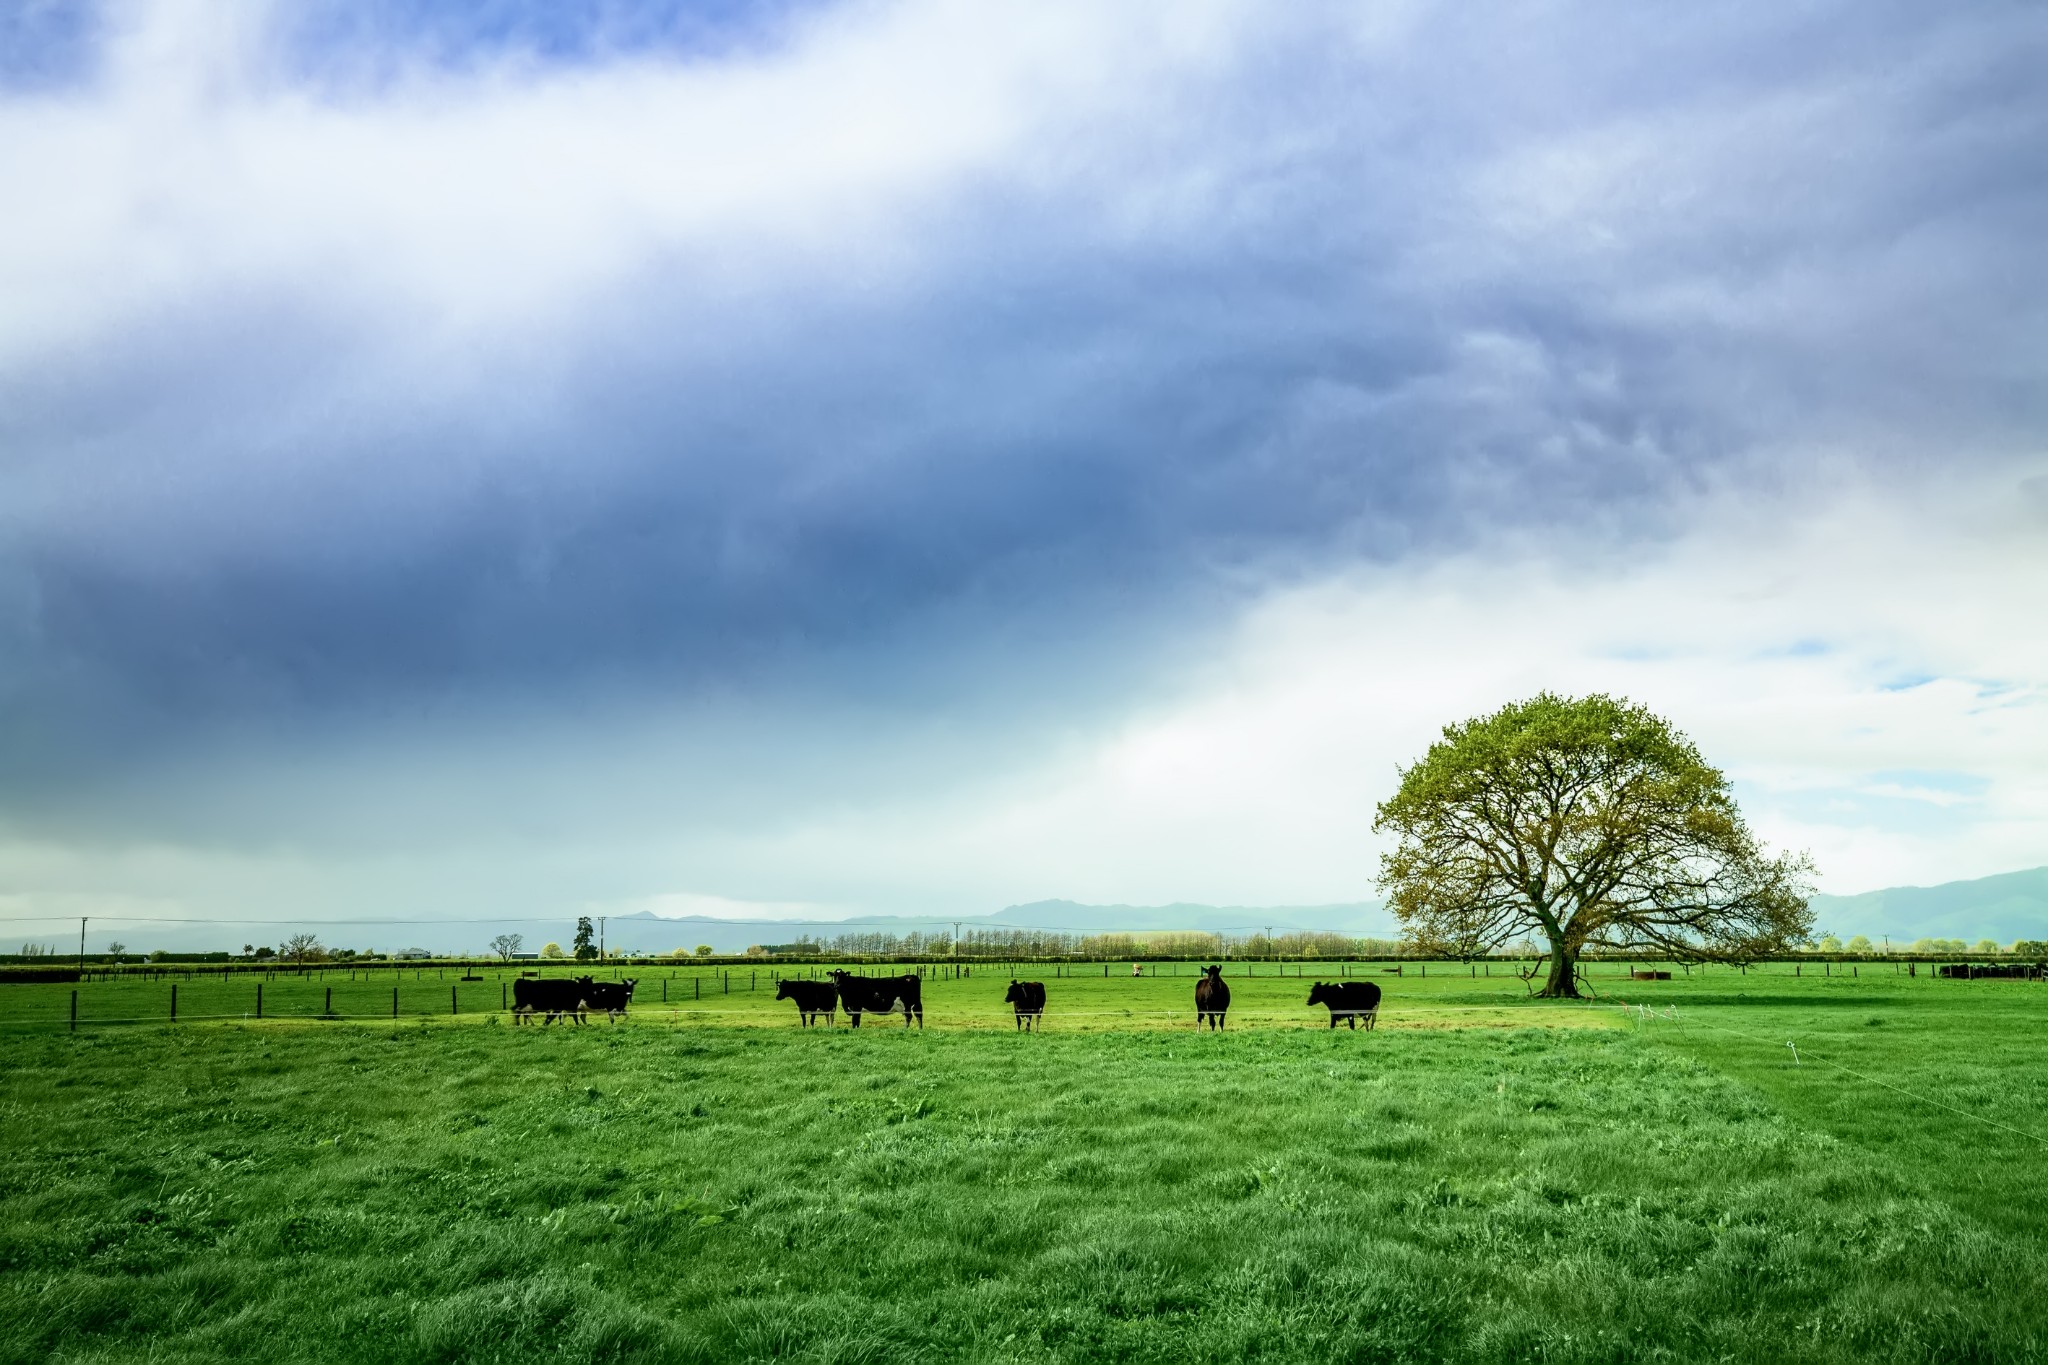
1322,301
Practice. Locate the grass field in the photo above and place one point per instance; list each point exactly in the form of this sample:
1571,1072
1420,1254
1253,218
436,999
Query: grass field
1483,1178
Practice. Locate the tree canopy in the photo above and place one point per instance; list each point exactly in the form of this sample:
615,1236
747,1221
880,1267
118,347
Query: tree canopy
1588,822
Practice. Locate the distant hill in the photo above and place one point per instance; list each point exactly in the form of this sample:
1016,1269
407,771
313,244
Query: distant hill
653,933
1359,918
2009,906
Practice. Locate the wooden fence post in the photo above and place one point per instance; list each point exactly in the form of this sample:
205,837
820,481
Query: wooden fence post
451,998
328,1008
74,1011
174,1000
259,1000
394,1002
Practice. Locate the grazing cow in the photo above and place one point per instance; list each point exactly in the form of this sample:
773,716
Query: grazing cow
880,995
1029,998
1212,998
813,998
1350,1001
550,997
610,997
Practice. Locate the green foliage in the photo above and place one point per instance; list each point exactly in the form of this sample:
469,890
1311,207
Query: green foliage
301,949
586,944
1588,821
1861,944
1829,944
1936,946
2031,947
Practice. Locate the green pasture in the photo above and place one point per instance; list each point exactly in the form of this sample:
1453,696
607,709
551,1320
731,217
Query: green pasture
1649,1176
1081,996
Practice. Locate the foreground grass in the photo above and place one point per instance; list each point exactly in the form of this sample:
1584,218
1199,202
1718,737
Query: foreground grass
435,1193
1945,1081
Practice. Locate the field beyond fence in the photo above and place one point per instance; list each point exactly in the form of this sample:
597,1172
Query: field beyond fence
1139,994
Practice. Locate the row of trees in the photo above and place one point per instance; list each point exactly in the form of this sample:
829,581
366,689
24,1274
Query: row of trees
1934,947
1037,943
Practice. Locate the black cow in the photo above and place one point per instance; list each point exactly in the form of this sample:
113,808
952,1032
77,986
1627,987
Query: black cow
1029,998
813,998
610,997
1350,1001
880,995
551,997
1212,998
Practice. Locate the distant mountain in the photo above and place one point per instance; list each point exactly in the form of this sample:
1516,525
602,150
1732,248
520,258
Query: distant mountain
1358,918
2009,906
648,932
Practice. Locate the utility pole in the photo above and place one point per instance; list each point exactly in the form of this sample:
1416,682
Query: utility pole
600,938
81,943
956,938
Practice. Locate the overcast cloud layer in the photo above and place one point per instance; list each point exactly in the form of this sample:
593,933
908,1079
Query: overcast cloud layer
923,456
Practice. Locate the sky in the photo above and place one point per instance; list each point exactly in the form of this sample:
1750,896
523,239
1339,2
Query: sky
523,459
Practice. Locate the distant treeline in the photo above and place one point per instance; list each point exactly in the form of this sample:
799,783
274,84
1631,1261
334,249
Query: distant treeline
1008,944
999,945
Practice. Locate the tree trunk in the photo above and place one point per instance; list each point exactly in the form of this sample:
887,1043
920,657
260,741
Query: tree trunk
1564,963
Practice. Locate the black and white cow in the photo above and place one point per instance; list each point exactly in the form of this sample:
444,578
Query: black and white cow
609,997
1351,1001
550,997
880,995
813,998
1029,998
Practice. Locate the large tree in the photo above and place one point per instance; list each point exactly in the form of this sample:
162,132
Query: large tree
1587,823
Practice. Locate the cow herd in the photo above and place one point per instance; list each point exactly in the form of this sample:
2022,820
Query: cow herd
1349,1002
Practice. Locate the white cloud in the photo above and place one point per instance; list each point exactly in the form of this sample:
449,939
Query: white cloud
469,200
1773,637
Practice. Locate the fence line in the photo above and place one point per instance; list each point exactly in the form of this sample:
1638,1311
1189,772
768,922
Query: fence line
770,1018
